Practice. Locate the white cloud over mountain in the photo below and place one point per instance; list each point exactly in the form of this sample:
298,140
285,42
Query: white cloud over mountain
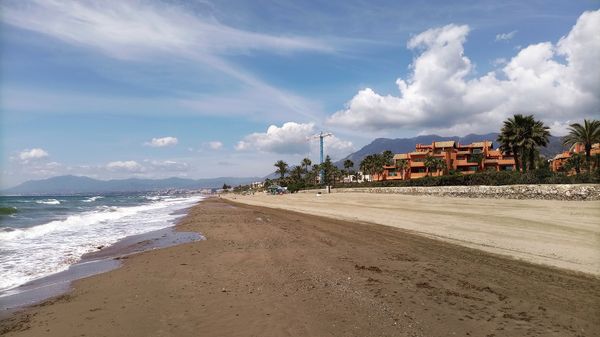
30,154
162,142
125,166
556,82
292,138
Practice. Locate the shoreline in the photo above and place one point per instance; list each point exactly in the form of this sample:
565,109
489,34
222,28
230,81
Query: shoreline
272,272
96,262
555,233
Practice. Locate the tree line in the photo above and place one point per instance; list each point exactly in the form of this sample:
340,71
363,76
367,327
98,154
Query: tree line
521,136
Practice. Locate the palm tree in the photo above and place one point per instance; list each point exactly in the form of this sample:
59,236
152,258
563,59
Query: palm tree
348,164
296,173
282,168
508,139
430,163
522,135
402,165
586,134
440,165
306,162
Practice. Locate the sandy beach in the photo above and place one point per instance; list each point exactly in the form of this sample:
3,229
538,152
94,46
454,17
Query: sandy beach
564,234
269,272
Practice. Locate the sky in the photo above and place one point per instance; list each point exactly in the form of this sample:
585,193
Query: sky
155,89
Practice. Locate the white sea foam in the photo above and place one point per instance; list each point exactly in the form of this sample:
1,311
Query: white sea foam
27,254
48,202
92,199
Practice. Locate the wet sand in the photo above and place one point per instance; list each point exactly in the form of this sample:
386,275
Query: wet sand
564,234
270,272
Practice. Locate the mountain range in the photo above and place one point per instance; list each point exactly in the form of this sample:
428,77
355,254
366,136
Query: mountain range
80,185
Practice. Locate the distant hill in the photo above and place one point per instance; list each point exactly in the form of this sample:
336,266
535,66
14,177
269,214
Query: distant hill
403,145
79,185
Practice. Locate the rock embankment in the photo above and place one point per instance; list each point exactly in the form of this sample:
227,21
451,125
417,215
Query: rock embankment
546,192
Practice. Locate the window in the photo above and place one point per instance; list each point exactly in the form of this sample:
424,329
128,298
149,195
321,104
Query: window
473,168
476,150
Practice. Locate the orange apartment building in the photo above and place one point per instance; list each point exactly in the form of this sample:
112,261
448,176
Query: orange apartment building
560,159
457,157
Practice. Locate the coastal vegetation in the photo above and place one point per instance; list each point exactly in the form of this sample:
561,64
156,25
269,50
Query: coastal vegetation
521,136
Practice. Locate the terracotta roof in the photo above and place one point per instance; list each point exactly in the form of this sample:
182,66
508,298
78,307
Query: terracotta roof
447,143
401,156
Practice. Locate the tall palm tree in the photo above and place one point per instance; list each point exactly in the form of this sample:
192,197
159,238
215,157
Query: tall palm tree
508,139
306,162
282,168
534,134
586,134
522,135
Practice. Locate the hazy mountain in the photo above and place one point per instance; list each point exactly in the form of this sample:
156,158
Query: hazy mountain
78,185
403,145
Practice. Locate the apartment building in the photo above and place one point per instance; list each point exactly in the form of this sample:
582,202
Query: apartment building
560,159
466,159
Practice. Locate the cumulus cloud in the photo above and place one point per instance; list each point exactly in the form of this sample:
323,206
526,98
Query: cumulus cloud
440,97
125,166
215,145
290,138
33,154
162,142
506,36
293,138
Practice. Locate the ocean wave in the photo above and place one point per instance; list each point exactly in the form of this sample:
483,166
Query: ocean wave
48,202
8,210
30,253
92,199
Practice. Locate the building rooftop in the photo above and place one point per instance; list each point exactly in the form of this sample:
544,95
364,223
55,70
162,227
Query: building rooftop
448,143
401,156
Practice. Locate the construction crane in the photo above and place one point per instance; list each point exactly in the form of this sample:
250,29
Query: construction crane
321,135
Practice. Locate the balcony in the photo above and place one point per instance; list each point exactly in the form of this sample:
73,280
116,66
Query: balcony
417,164
465,162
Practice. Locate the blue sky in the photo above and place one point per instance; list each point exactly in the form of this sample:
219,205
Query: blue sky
115,89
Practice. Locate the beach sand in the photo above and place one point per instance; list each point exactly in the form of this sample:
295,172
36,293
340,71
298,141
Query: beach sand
269,272
564,234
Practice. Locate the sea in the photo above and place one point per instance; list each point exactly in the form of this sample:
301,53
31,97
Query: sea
40,236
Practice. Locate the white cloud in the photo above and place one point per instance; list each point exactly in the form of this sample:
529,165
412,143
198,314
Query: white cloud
294,139
125,166
162,142
33,154
290,138
506,36
439,97
215,145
